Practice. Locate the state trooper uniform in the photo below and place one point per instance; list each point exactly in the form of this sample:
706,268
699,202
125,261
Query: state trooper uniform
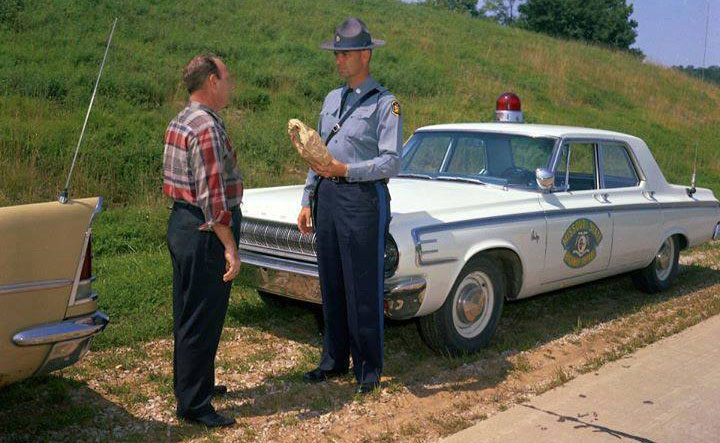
362,127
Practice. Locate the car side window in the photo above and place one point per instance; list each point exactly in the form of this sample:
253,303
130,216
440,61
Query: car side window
530,154
427,156
582,176
617,167
468,156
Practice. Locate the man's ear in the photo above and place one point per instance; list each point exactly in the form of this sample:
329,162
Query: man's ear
367,55
212,79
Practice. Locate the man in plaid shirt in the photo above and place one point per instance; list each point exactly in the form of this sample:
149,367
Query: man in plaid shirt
201,176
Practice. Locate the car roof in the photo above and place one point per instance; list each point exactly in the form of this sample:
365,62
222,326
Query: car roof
530,130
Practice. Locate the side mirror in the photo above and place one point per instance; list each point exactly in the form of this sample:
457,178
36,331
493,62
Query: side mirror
545,179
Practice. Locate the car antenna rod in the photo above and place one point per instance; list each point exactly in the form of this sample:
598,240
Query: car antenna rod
63,198
692,190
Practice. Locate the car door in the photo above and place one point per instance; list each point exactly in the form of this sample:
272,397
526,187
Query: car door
578,215
636,212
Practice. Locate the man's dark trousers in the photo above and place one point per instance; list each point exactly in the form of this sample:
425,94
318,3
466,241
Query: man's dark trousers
351,222
200,301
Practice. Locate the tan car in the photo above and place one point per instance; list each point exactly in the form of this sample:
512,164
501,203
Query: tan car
48,310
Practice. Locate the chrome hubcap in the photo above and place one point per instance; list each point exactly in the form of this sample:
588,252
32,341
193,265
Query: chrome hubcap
664,259
473,302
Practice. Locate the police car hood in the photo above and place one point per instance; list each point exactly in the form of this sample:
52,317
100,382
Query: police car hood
410,198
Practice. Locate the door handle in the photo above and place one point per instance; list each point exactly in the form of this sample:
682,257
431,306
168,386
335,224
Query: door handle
602,198
650,195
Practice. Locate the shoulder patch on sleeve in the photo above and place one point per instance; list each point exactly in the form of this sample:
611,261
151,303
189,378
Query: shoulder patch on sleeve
395,108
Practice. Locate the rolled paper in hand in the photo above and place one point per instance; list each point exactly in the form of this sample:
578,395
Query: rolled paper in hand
308,144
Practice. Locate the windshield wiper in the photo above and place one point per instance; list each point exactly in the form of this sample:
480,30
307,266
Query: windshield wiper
414,175
461,179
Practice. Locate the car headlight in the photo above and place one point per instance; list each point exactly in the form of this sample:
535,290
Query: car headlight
392,256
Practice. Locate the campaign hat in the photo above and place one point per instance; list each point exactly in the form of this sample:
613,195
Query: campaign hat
352,35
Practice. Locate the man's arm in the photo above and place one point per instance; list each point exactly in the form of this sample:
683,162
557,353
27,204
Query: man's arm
304,221
206,159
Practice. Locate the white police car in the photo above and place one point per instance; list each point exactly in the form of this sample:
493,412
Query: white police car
488,212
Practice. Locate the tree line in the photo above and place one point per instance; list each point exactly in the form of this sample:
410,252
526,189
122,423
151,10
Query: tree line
602,22
710,74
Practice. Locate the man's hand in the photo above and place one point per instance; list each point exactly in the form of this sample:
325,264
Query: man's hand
334,169
304,221
232,258
232,264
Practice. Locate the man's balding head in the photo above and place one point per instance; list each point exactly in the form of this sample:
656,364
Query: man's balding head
198,69
208,81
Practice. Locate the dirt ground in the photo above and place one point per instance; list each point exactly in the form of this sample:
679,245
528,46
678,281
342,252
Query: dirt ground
424,396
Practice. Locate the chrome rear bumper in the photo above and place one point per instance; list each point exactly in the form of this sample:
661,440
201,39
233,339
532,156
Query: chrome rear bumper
299,280
70,339
75,328
716,232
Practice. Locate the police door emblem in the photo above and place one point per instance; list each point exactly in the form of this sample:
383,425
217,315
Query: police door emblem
580,242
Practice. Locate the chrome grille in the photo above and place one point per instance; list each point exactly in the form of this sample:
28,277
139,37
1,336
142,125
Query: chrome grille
275,236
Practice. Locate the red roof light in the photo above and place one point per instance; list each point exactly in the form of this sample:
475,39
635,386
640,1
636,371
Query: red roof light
508,102
508,108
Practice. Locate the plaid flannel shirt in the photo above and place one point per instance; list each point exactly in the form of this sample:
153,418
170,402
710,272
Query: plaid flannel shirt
200,165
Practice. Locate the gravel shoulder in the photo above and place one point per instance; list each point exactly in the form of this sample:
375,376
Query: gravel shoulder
541,343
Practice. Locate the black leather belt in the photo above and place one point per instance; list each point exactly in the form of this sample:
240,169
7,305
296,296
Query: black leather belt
344,181
185,205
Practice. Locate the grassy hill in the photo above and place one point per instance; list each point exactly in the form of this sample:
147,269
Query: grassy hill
444,67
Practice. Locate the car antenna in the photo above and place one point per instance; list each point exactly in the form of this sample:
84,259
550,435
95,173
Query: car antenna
692,190
63,198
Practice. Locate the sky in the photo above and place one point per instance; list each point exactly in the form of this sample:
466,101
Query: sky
672,32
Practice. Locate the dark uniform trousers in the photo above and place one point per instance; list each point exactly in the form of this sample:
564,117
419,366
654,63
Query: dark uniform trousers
200,302
351,223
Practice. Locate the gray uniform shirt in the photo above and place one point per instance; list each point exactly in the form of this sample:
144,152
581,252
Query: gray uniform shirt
370,140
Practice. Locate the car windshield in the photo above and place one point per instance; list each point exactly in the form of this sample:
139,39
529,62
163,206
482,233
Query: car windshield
477,157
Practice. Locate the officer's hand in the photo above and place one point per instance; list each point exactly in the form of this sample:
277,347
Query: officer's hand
304,221
295,140
232,264
334,169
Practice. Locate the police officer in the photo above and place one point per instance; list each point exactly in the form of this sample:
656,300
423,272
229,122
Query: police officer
361,124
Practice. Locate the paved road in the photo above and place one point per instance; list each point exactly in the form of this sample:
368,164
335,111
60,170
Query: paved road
666,392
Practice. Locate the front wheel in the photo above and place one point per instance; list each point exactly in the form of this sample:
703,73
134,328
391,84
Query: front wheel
660,274
468,318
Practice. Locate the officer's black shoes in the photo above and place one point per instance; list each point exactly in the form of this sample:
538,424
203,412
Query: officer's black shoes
211,420
367,387
219,390
317,375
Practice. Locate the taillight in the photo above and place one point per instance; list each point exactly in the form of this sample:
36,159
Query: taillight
82,290
86,272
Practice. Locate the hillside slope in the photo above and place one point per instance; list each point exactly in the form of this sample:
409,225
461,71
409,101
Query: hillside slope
443,67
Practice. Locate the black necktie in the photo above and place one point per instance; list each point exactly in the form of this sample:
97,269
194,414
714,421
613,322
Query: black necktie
344,100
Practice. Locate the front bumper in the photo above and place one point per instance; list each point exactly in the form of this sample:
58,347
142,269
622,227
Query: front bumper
299,280
70,339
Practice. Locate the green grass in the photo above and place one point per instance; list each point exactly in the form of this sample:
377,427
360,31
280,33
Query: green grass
20,403
136,292
443,67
